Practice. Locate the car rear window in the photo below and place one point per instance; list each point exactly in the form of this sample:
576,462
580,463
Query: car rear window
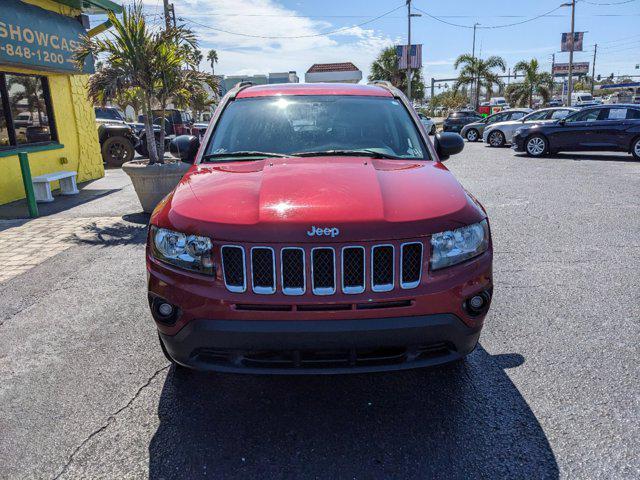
633,114
313,123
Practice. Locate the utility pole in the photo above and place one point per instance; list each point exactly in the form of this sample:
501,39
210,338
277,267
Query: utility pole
593,69
474,92
409,15
570,80
553,77
167,14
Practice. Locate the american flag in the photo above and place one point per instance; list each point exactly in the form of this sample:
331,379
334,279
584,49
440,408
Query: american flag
415,58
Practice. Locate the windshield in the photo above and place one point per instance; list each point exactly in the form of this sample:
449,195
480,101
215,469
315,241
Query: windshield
327,124
108,114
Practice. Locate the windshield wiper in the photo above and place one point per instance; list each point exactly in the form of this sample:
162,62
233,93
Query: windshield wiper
244,154
365,152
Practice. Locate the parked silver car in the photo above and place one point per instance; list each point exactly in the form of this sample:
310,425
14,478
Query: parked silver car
429,124
473,131
501,133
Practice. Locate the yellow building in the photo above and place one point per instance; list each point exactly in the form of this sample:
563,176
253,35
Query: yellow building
44,109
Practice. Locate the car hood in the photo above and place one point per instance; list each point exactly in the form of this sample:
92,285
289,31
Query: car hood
280,199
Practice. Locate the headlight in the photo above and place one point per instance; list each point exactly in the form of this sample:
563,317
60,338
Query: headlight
455,246
190,252
517,132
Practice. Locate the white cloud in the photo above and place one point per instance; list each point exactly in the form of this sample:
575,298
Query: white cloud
248,55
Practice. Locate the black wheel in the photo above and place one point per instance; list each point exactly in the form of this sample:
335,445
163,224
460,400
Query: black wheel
496,138
116,151
472,135
433,129
635,149
536,146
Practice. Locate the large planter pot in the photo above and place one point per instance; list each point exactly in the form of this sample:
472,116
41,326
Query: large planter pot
153,182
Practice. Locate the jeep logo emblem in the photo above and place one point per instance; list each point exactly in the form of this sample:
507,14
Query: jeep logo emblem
323,232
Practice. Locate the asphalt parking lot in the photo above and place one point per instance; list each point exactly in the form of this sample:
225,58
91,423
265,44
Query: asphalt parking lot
552,391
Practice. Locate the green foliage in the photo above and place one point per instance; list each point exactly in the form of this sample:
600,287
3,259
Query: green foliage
158,64
535,82
385,67
478,73
212,57
450,99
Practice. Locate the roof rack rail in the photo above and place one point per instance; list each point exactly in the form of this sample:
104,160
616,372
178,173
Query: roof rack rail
387,85
238,87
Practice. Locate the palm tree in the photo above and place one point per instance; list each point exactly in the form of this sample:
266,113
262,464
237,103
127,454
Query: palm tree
27,90
139,56
479,73
212,57
535,83
385,67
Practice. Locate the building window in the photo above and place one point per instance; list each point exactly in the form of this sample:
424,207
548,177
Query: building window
26,115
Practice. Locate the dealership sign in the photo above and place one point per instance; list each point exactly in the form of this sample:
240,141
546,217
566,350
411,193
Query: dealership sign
34,37
579,68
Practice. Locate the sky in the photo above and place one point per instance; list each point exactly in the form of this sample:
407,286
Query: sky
236,30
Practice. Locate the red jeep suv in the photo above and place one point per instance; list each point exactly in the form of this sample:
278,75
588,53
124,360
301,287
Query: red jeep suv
318,232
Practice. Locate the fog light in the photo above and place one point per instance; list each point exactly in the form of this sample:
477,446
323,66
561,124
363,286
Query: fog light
477,304
163,311
166,310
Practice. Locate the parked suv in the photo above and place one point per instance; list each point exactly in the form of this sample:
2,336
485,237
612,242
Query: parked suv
318,231
456,120
117,138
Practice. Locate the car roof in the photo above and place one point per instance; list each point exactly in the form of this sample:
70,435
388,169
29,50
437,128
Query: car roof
313,89
611,105
559,107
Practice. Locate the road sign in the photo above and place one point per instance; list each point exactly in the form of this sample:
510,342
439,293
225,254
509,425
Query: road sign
579,68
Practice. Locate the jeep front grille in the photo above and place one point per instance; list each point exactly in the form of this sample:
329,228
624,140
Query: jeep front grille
233,266
350,269
323,271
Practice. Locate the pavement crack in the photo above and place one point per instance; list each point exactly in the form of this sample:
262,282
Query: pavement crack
110,419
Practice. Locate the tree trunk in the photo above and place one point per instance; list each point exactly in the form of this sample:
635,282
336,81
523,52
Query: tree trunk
148,127
163,105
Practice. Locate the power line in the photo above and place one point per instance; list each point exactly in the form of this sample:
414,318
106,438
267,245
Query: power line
606,4
275,37
489,27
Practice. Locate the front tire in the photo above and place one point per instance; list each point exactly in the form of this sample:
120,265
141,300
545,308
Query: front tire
117,150
472,135
635,149
496,139
536,146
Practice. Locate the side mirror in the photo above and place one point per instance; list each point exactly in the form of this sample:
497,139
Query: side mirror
447,144
185,147
562,121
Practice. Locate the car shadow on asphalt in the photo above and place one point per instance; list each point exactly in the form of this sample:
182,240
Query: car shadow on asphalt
465,420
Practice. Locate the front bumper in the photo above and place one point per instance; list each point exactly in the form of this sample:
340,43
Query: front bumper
517,143
321,346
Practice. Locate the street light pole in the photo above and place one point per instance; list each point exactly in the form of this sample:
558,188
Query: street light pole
409,15
476,94
593,69
409,49
570,80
